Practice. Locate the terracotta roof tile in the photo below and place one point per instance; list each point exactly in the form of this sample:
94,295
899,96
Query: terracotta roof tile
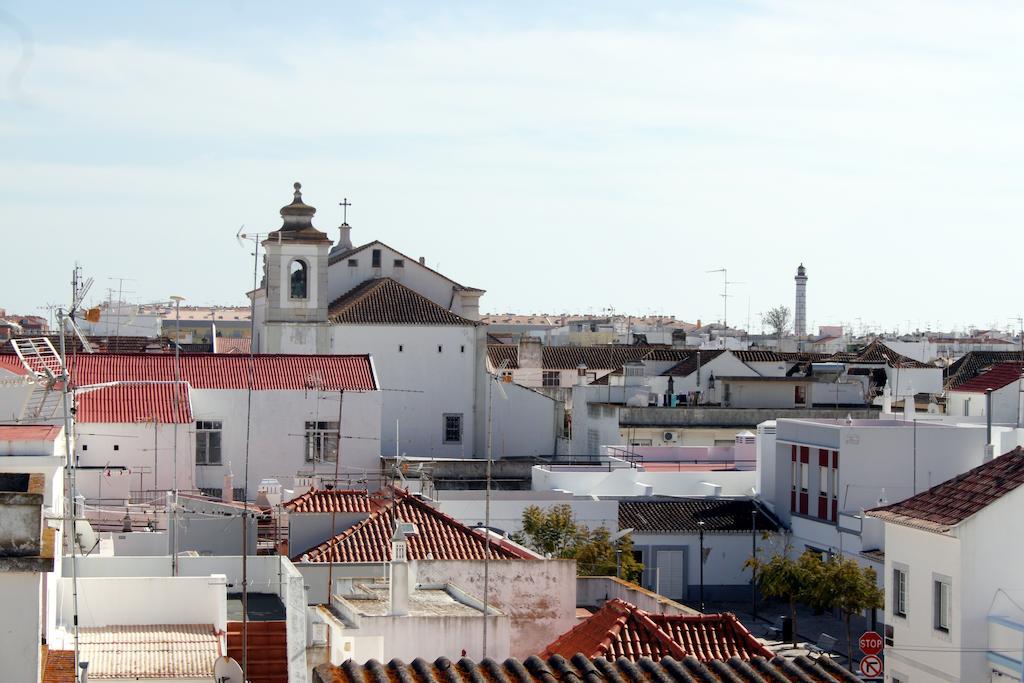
438,535
558,669
322,500
602,357
228,371
620,629
689,365
29,432
944,506
996,377
973,363
60,667
683,514
135,403
384,301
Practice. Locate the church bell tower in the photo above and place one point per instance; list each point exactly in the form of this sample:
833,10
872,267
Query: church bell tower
296,300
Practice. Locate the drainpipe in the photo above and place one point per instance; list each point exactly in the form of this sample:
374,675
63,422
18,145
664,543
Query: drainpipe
990,448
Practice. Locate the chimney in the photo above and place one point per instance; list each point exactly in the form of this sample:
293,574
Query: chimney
990,448
399,584
227,492
531,353
423,260
581,375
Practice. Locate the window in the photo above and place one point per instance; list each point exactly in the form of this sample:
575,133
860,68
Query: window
440,348
823,481
800,395
297,280
116,447
804,474
941,590
795,475
835,483
208,435
551,378
453,428
401,348
399,263
899,592
462,349
375,258
85,447
321,441
353,262
593,441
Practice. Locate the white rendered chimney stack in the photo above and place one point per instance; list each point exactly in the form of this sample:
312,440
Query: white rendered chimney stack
399,578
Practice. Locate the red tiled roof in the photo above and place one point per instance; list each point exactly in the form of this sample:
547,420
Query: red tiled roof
384,301
228,371
29,432
944,506
600,357
321,500
135,403
60,667
231,345
437,535
579,668
12,363
620,629
996,377
974,362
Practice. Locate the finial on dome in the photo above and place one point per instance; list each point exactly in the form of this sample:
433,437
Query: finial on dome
298,191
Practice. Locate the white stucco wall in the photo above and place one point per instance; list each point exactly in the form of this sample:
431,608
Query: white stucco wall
628,481
21,629
420,384
507,508
277,444
1006,404
538,596
146,454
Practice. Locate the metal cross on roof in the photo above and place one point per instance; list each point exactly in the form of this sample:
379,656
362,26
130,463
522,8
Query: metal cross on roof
344,204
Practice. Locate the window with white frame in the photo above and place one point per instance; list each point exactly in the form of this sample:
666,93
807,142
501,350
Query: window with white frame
823,480
835,483
942,590
804,476
551,378
899,591
208,437
321,441
453,428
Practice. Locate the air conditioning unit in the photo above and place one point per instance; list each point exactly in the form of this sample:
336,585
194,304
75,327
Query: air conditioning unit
669,436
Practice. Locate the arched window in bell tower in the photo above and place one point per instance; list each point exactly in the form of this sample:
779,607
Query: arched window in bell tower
299,280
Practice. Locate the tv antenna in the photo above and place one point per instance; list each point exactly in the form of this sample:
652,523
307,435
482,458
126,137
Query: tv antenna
725,293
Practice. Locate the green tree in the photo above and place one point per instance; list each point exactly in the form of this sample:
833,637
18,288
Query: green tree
785,578
842,584
556,533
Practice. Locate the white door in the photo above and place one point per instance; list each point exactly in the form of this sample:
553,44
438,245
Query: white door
670,575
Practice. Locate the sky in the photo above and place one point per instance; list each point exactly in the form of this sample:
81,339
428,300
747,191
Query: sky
573,156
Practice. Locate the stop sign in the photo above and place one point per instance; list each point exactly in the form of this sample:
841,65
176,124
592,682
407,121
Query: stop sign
870,643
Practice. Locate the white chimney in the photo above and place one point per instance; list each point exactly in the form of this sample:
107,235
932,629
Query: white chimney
399,587
581,375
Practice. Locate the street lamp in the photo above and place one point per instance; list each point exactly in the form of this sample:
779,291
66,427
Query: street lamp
700,534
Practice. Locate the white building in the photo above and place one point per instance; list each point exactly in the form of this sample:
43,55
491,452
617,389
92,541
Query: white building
32,461
293,429
968,398
422,328
953,579
819,476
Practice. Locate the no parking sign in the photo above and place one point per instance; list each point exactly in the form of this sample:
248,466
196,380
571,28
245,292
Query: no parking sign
871,666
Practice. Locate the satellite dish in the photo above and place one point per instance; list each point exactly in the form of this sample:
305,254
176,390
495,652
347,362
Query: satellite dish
226,670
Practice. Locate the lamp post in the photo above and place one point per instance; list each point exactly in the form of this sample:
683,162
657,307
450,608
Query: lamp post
700,534
177,385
